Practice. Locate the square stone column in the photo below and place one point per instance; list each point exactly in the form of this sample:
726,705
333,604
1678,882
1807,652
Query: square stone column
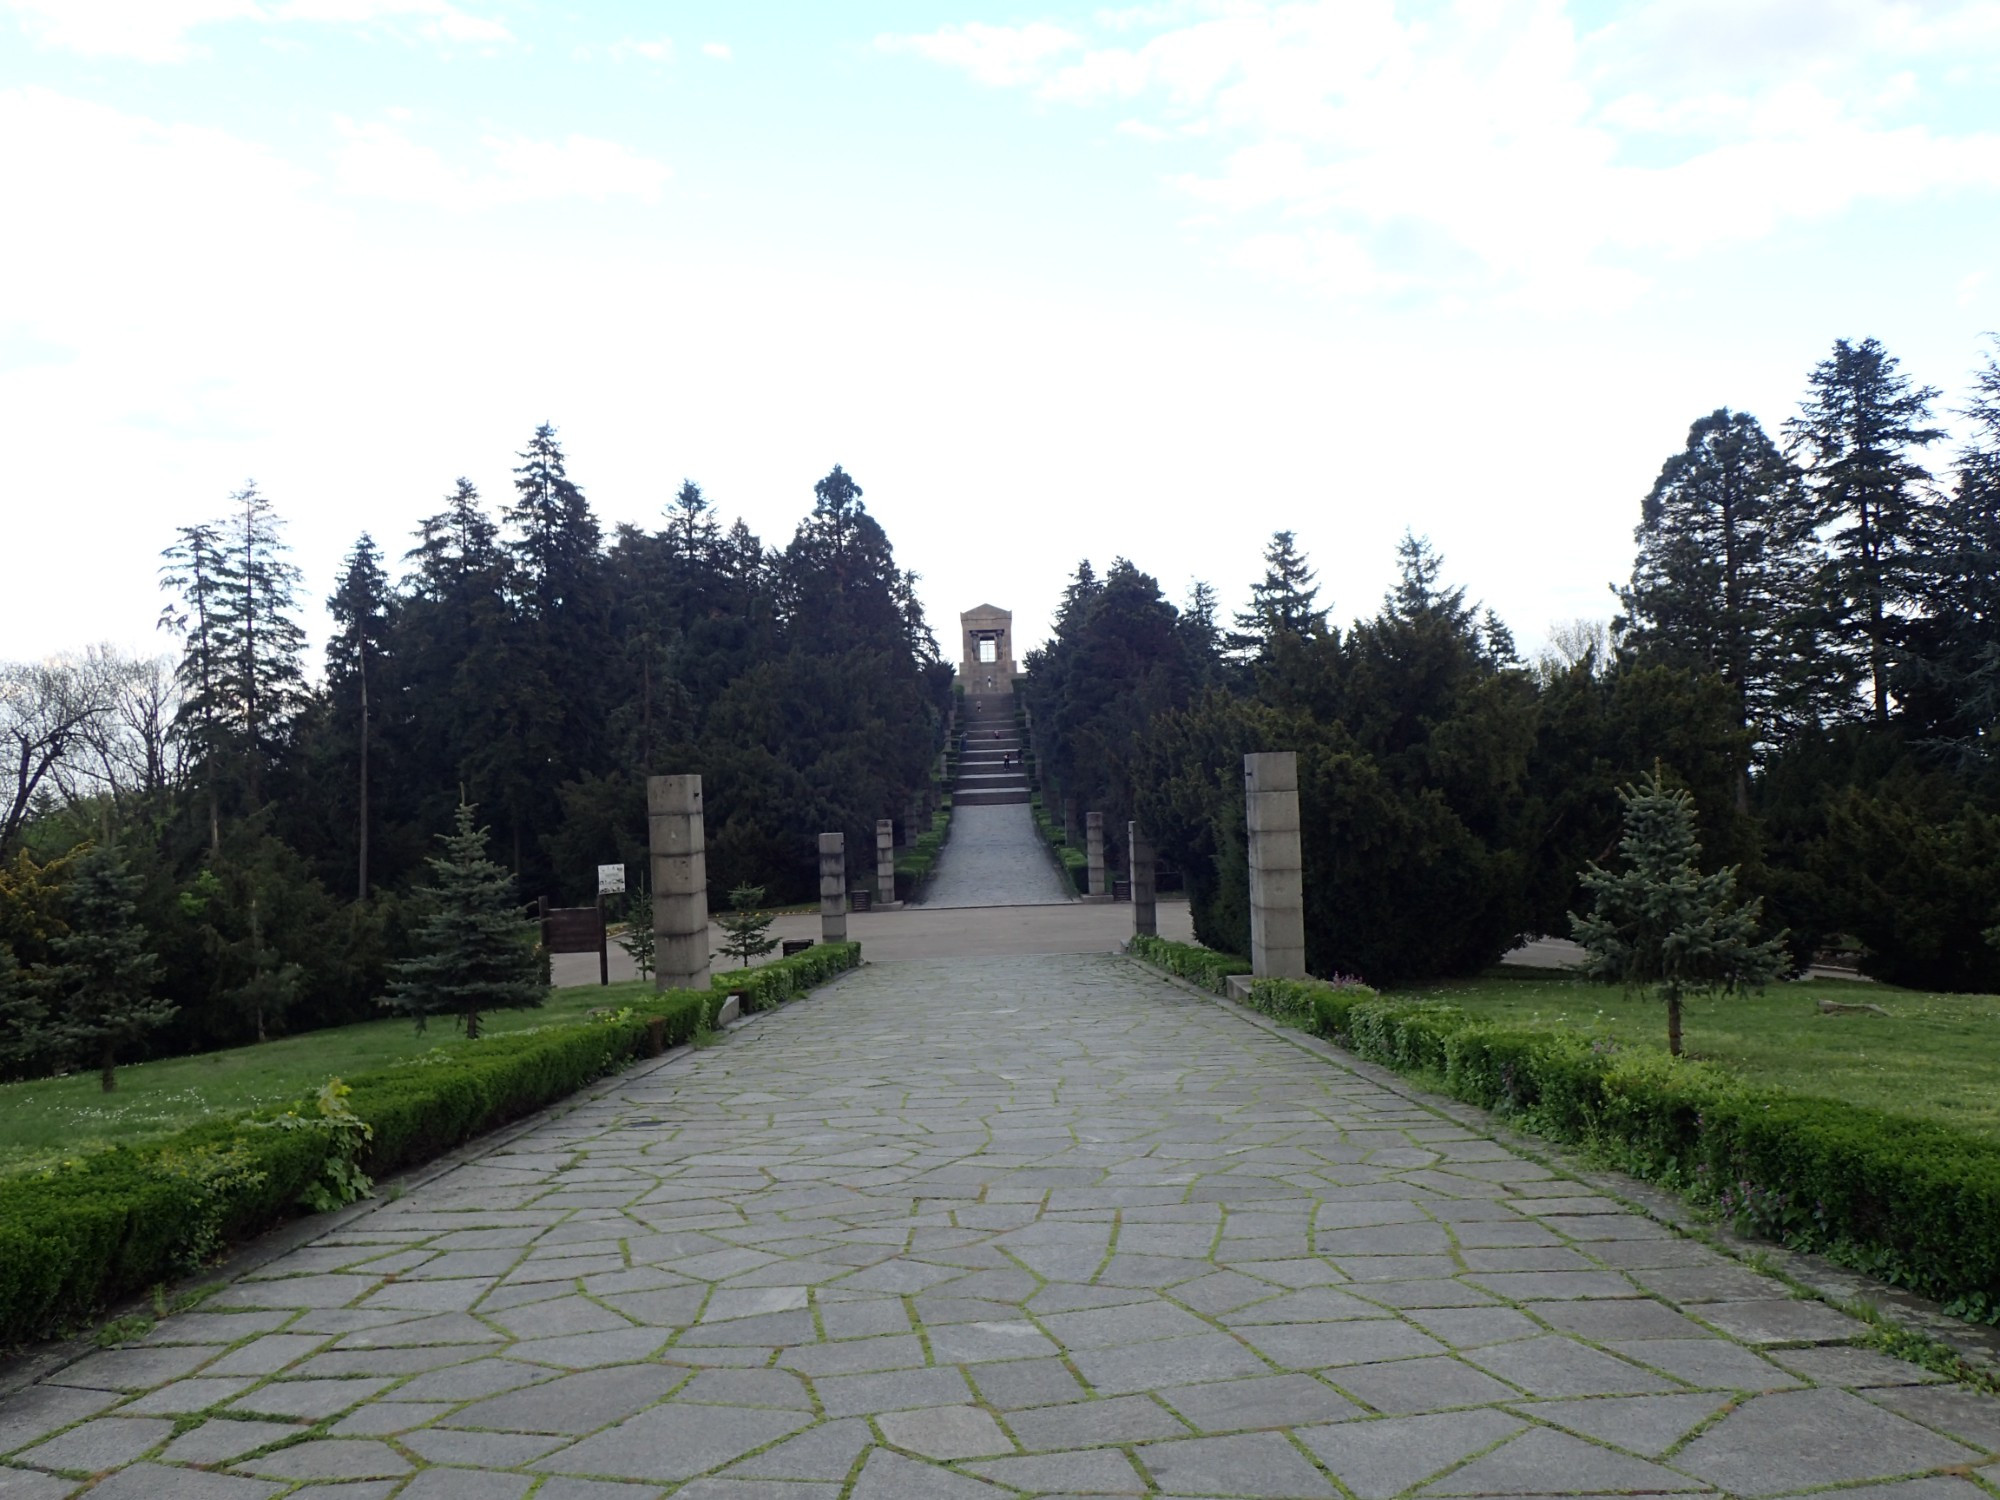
679,850
885,860
1139,855
1093,839
833,887
1277,890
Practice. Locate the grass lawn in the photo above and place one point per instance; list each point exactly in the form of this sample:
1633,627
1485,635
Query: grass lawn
1935,1056
48,1118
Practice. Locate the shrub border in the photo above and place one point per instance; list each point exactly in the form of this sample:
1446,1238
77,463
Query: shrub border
87,1235
1856,1290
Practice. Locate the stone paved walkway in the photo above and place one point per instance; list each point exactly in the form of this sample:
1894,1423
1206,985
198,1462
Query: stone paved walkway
995,857
967,1229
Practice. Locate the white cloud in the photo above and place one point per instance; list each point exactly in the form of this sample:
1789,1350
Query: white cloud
380,160
657,50
995,55
162,31
1528,157
146,30
720,51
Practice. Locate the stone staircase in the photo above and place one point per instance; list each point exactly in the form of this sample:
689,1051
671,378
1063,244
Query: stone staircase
985,779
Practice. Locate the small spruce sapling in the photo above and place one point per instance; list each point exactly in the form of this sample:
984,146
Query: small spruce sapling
100,988
473,951
637,938
746,929
1662,924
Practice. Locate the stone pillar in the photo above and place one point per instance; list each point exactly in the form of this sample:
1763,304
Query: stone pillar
885,861
833,887
680,882
1093,837
1277,894
1139,856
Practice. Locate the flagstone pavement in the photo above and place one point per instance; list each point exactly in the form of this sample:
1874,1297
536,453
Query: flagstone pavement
974,1228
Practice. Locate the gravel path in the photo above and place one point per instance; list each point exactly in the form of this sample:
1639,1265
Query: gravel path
978,1228
995,857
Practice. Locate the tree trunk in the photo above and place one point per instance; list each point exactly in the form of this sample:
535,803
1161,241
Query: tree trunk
472,1026
257,964
107,1076
361,869
1674,1023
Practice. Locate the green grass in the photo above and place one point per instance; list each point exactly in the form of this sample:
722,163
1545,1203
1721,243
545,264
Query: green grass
1936,1057
47,1119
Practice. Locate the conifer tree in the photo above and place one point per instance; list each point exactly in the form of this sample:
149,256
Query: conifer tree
1662,924
746,928
1856,435
23,1017
354,658
1723,581
638,938
1951,684
193,572
1283,604
100,988
472,950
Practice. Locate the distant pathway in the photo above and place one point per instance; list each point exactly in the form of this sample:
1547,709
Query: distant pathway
995,857
972,1229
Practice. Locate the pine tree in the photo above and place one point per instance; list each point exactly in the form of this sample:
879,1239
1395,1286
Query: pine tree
1951,685
472,950
23,1018
692,533
1661,923
637,938
1856,434
193,572
100,988
354,660
746,928
1723,581
1283,604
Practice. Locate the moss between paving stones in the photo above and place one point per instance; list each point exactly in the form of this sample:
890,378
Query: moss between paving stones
1911,1203
87,1233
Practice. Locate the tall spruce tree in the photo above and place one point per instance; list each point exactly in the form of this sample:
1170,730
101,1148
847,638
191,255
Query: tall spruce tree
261,642
1951,683
193,572
1660,923
1723,581
472,950
99,989
1282,604
355,656
1857,434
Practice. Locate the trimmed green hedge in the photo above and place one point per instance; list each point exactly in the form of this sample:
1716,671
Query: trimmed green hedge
1912,1203
76,1237
88,1233
1074,862
771,985
1191,961
914,864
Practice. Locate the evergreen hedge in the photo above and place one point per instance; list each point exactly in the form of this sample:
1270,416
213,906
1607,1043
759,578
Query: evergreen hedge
1909,1202
1191,961
914,864
1073,862
79,1236
771,985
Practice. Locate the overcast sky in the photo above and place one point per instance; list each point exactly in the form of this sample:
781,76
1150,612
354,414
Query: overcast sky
1051,281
